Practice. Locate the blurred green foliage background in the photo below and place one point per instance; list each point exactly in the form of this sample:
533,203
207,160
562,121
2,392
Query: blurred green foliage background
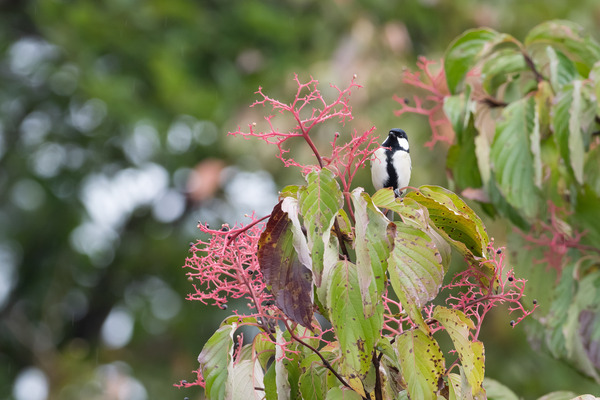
113,122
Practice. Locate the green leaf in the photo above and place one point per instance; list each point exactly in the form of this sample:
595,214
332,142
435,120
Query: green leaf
461,157
343,393
246,375
512,159
565,395
372,246
591,169
263,348
503,207
541,128
497,391
582,327
319,202
285,262
501,66
270,385
289,191
312,381
471,353
569,38
587,215
566,121
466,50
416,270
356,334
282,378
562,69
454,219
216,363
415,215
422,363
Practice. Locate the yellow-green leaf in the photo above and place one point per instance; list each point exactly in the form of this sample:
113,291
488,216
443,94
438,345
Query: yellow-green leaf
356,334
422,363
471,353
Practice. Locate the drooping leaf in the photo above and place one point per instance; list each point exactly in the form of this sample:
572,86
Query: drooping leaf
216,363
511,157
504,207
319,201
568,37
587,214
246,376
289,191
541,128
342,393
582,326
264,349
568,116
562,69
282,382
501,66
285,263
471,353
270,385
591,169
566,395
497,391
312,381
461,157
416,270
454,219
356,334
422,363
466,50
372,246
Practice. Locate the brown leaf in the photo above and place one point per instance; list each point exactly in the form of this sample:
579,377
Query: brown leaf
289,279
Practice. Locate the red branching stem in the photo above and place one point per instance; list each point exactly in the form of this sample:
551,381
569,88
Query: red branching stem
348,158
233,234
395,320
434,84
556,238
307,95
486,285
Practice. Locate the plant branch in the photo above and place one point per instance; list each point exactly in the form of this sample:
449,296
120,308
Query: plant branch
378,388
237,232
326,363
538,77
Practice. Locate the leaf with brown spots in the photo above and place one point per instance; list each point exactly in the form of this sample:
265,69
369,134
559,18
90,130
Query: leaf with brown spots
416,270
320,201
454,219
471,353
285,262
372,246
356,334
422,363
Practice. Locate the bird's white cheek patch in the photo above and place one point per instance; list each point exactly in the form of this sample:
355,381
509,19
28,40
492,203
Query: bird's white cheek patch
403,143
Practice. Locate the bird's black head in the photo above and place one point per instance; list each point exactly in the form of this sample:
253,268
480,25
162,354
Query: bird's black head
398,133
397,139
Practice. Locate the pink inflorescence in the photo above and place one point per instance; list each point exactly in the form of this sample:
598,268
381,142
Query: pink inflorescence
485,285
555,237
226,266
436,89
308,109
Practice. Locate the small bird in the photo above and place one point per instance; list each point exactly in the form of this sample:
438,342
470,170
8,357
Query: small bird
390,165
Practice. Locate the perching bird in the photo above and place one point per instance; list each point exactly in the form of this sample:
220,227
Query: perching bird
390,165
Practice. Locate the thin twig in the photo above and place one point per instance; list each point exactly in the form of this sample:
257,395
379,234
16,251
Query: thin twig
323,360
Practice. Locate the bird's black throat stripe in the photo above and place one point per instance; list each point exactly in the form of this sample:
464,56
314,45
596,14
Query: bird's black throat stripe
392,180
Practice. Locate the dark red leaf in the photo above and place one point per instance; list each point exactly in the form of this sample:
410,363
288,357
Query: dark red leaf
289,279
